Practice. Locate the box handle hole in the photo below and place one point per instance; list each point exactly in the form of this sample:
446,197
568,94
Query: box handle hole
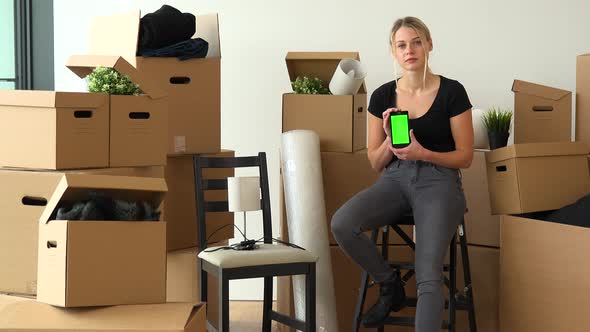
180,80
501,168
82,114
360,109
139,115
51,244
34,201
542,108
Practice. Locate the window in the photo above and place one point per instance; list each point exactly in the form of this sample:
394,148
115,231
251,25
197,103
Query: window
7,55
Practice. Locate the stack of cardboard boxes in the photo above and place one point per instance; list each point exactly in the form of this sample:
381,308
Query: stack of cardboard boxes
59,146
341,123
543,268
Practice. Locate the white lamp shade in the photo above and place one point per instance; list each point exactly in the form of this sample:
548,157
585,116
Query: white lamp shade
243,193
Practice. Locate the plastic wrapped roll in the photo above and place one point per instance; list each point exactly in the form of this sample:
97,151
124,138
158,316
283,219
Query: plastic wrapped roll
348,77
306,219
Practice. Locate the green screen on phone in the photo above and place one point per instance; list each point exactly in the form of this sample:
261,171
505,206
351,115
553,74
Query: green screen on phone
399,129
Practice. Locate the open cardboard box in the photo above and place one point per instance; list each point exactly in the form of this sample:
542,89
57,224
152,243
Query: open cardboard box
20,314
541,113
340,121
137,123
94,263
543,275
54,130
193,86
537,176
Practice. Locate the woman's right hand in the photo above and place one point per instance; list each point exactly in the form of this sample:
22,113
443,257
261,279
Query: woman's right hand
386,124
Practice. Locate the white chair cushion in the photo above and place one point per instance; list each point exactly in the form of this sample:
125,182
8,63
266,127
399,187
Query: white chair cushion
266,254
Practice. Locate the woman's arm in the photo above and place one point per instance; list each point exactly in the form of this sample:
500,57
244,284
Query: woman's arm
378,153
462,129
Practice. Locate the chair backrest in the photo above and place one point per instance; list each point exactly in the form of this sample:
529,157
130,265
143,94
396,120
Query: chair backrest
201,162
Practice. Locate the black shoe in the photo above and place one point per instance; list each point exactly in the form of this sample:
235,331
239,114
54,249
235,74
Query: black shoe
392,297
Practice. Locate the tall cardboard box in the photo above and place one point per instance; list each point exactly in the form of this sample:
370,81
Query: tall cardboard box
541,113
193,86
183,283
23,197
537,176
180,209
20,314
340,121
137,123
583,98
95,263
482,227
54,130
543,276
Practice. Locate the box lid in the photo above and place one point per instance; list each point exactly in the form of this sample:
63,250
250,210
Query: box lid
52,99
537,150
74,186
16,314
83,65
538,90
118,34
318,64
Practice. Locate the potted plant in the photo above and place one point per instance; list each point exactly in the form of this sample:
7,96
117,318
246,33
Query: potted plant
306,85
497,123
108,80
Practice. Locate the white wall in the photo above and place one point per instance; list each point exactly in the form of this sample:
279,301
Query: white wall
483,44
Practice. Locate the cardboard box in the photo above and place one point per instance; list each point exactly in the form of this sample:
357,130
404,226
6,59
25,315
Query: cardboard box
20,314
482,227
536,176
180,210
94,263
543,276
54,130
137,123
23,198
583,98
541,113
340,121
183,283
193,86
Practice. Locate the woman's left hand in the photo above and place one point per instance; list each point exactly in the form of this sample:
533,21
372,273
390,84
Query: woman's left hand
414,151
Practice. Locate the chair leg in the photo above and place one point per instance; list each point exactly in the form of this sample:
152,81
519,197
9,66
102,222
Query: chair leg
467,277
360,302
267,305
223,303
452,284
310,299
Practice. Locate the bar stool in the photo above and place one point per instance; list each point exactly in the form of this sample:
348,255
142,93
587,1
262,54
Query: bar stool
458,301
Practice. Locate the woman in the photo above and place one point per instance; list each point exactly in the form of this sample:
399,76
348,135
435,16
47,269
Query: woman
422,178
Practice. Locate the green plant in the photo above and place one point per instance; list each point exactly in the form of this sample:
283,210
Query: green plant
308,85
108,80
497,120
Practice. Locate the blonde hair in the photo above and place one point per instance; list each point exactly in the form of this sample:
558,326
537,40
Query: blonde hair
423,33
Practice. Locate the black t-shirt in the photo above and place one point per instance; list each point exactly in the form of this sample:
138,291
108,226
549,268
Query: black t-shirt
433,129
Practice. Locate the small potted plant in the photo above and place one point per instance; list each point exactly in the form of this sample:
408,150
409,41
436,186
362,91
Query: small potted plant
108,80
306,85
497,123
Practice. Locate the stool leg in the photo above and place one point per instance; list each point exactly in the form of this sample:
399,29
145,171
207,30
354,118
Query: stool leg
267,305
310,299
223,303
467,277
360,302
452,283
385,254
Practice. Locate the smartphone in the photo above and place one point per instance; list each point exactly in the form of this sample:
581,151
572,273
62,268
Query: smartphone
400,129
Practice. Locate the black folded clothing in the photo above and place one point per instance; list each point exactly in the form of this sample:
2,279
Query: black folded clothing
577,213
164,27
189,49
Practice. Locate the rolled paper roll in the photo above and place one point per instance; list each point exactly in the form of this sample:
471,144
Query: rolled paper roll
348,77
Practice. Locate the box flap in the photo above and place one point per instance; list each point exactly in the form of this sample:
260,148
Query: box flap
75,186
51,99
538,90
118,34
83,65
537,150
318,64
16,314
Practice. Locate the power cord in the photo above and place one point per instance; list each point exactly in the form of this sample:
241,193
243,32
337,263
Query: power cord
248,244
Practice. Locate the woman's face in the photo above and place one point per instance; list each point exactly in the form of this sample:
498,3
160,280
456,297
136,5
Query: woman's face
409,51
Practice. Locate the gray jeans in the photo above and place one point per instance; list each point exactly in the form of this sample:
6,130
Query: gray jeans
435,197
